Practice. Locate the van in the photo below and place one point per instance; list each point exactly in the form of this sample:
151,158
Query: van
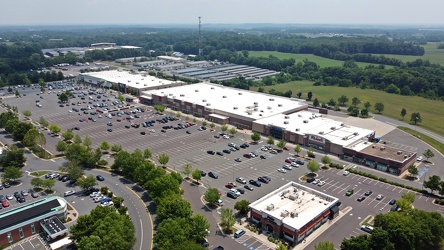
239,233
107,199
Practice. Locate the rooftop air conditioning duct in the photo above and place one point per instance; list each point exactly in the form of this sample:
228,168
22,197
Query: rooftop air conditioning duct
321,132
234,107
298,129
208,104
271,99
286,117
240,93
224,96
255,109
355,133
196,90
270,207
333,128
268,107
305,121
284,213
279,105
212,87
170,94
204,100
293,197
285,122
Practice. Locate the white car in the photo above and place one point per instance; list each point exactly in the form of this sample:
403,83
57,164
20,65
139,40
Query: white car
294,164
346,173
226,137
321,183
264,149
379,197
69,111
282,170
220,203
316,181
98,198
241,180
235,191
288,167
419,158
368,229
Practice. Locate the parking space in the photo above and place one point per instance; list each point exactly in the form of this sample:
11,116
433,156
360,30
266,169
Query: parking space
34,242
251,243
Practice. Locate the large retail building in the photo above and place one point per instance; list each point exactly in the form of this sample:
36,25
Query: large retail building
293,211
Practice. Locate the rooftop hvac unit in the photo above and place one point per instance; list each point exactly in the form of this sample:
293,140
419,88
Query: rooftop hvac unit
297,129
224,96
204,100
212,87
292,215
255,109
293,197
284,213
287,117
170,94
271,99
137,82
208,104
182,95
234,107
333,128
299,115
143,79
305,121
345,138
196,90
249,112
240,93
279,105
399,152
144,85
270,207
405,156
129,80
286,122
355,133
342,124
268,107
260,114
321,132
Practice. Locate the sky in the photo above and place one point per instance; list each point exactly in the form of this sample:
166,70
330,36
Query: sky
64,12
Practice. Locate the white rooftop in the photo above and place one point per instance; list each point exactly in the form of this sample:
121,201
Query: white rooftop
294,205
231,101
305,122
130,79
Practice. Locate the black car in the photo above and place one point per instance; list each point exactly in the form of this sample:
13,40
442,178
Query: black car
361,198
241,190
65,179
263,157
369,192
236,147
203,173
213,175
220,153
16,194
392,202
100,178
188,132
226,151
21,198
142,133
110,130
255,183
248,187
211,152
232,195
263,179
216,136
310,180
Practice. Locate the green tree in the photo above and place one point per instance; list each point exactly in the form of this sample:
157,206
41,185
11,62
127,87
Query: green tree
27,113
233,131
410,197
63,97
428,154
61,146
199,227
316,102
36,182
159,108
163,186
325,160
173,207
324,245
223,128
187,170
17,93
86,182
204,123
54,128
433,183
281,144
299,94
342,100
227,219
12,173
331,102
147,153
68,135
43,121
197,174
403,113
255,136
116,148
30,137
313,166
379,106
48,184
309,95
413,171
359,242
72,170
14,157
7,116
173,234
178,114
297,149
77,139
163,159
270,140
355,101
242,206
212,125
280,246
367,105
87,142
105,146
380,240
121,98
212,195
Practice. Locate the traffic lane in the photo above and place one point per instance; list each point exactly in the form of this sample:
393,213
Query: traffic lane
136,207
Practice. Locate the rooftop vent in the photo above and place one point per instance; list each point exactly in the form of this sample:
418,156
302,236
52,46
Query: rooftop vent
279,105
137,82
204,100
355,133
299,115
240,93
234,107
297,129
382,148
144,85
373,146
255,104
321,132
212,87
271,99
170,94
305,121
255,109
342,124
333,128
287,117
129,80
208,104
224,96
399,153
269,107
293,197
182,95
270,207
260,114
196,90
286,122
284,213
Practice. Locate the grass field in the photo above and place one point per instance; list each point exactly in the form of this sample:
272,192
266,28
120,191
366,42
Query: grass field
432,54
321,61
431,111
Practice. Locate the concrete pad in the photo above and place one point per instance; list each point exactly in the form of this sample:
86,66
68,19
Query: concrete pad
381,128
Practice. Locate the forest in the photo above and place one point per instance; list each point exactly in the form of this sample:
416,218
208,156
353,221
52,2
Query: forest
22,53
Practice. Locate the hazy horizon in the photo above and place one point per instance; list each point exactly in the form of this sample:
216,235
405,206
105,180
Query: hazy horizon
174,12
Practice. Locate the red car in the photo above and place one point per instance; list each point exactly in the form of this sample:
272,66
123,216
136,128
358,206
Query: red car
263,179
5,203
230,185
288,160
286,148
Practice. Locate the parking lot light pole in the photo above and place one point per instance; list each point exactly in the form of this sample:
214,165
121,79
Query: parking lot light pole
233,172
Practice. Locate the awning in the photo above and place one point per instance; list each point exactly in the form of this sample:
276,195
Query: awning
218,116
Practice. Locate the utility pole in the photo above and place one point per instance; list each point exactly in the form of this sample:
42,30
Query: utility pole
200,38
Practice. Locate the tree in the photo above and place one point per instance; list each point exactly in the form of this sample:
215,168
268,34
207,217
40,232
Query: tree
297,149
187,170
281,144
212,195
173,234
413,171
324,245
212,125
163,186
270,140
199,227
313,166
43,122
68,135
379,106
342,100
87,142
227,219
410,197
48,183
103,228
104,146
355,243
364,112
7,116
380,239
428,154
325,160
353,111
72,170
280,246
63,97
242,206
433,183
86,182
233,131
121,98
178,114
27,113
17,93
331,102
367,105
187,118
223,128
77,139
12,173
299,94
54,128
163,159
61,146
309,95
159,108
36,182
197,174
255,136
204,123
316,102
355,101
14,157
30,137
147,153
173,207
403,113
416,118
116,148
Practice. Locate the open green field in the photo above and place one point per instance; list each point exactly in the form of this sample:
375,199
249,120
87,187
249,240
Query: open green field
432,54
321,61
431,111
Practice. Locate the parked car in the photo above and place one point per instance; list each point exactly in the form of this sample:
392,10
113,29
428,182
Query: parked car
361,198
230,185
349,192
255,183
262,179
392,202
211,152
368,193
69,193
241,180
100,178
367,229
213,175
232,195
249,187
239,233
379,197
346,173
311,179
